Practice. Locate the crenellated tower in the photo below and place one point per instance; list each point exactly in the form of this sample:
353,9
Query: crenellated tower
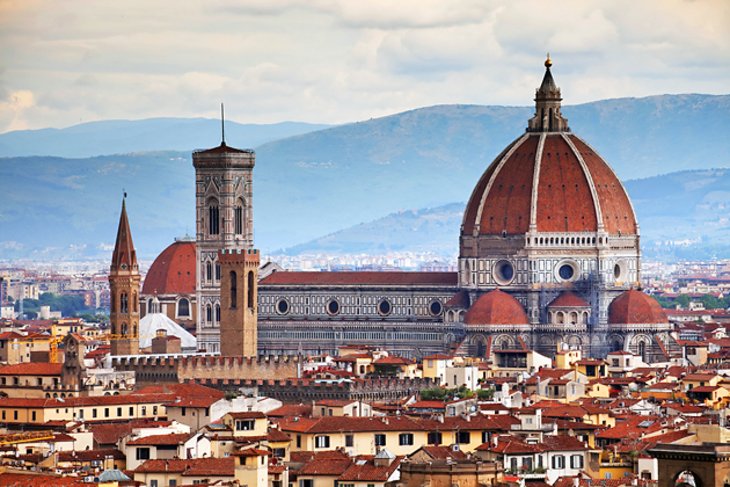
124,289
239,302
224,220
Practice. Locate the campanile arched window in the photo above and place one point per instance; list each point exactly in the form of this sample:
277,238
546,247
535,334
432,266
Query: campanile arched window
238,218
213,217
234,289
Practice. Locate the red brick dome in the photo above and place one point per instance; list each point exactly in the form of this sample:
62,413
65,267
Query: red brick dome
496,308
559,185
568,299
548,180
635,307
173,271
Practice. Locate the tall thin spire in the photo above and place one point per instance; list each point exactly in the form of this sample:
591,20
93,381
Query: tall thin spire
547,116
124,253
223,126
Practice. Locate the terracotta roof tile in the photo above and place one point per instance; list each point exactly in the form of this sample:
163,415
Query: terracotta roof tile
32,368
158,440
214,467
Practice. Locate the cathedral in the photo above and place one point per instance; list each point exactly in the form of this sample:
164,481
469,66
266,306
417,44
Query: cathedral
548,255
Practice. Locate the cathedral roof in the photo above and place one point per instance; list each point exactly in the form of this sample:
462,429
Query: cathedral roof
496,308
635,307
568,299
224,149
548,180
362,278
173,271
124,254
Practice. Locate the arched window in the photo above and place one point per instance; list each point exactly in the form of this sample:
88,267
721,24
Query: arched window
238,218
183,307
250,289
213,218
135,302
208,314
217,271
124,303
642,350
234,289
209,271
124,329
217,312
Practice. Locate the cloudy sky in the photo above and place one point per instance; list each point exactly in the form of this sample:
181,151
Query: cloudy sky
66,62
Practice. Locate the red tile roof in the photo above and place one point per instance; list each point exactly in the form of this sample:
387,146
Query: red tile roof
32,479
496,308
366,471
158,440
390,360
361,278
329,467
247,415
110,433
443,452
32,368
214,467
290,411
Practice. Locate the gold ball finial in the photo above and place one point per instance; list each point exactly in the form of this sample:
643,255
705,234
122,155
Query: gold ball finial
548,61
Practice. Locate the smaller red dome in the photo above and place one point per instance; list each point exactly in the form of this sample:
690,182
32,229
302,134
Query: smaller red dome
568,299
496,308
635,307
173,271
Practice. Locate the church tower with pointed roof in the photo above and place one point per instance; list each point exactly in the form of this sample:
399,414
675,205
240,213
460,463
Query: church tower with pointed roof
124,289
223,220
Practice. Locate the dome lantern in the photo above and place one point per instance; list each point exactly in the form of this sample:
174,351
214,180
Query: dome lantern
547,116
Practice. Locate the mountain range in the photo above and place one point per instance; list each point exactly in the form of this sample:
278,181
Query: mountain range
317,183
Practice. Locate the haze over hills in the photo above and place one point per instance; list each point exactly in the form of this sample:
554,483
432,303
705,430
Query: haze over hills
320,182
154,134
682,215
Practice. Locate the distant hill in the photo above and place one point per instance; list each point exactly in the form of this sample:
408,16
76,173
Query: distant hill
320,182
681,215
154,134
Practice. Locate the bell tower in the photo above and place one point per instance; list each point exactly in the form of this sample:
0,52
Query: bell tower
124,289
223,220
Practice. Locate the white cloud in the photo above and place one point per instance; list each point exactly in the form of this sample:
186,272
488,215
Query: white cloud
338,60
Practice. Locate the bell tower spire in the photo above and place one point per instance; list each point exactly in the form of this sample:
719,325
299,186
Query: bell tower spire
547,105
124,290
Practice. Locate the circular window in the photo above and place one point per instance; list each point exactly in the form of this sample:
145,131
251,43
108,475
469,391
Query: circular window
384,307
282,306
617,271
435,308
333,307
504,272
566,271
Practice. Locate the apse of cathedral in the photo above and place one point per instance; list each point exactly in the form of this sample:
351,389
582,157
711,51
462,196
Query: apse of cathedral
548,256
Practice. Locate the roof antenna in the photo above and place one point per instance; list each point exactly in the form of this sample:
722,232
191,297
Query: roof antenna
223,126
